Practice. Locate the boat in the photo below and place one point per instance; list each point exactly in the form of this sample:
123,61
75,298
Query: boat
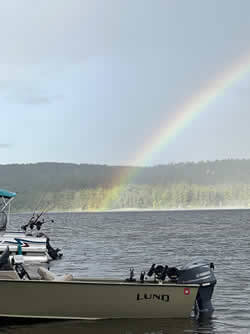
6,197
164,292
32,248
35,247
33,244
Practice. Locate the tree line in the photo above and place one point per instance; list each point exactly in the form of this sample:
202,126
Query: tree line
68,187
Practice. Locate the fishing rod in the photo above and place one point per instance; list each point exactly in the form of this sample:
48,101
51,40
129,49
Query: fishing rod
36,207
39,215
34,212
34,221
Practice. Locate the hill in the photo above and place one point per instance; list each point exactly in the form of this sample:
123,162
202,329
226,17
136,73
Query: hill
222,183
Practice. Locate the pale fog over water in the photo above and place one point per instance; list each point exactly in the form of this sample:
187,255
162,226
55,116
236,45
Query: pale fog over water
108,244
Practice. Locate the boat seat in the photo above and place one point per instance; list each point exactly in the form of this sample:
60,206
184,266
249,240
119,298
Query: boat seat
49,276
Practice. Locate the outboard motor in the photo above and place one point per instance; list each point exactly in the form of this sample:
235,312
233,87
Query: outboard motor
55,254
201,273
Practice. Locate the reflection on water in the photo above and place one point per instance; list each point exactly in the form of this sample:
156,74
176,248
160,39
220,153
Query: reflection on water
108,244
125,326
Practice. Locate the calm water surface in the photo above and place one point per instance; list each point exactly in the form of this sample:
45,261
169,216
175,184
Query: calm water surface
108,244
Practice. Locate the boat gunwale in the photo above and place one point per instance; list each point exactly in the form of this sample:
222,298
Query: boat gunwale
104,282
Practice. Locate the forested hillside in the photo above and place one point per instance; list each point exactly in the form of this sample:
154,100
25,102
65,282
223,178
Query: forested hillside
67,187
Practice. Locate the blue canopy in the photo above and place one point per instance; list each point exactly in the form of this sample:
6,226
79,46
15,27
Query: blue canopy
6,193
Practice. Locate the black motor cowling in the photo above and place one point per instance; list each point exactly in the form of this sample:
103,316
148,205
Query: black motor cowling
201,273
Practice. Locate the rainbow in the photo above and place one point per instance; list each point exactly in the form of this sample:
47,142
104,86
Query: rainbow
184,115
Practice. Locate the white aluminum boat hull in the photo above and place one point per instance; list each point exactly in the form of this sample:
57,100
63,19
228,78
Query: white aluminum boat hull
25,249
10,238
95,299
34,259
34,249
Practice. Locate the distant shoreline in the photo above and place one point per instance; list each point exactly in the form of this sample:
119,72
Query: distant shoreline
142,210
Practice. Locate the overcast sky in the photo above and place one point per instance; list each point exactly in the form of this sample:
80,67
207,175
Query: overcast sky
90,81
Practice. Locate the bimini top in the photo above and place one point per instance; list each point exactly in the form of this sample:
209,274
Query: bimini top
6,193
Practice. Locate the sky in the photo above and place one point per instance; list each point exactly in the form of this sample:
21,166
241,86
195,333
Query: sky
93,81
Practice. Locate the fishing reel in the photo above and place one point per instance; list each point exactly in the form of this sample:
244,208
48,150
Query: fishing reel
159,272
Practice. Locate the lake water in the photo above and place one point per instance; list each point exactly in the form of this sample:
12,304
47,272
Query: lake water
108,244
